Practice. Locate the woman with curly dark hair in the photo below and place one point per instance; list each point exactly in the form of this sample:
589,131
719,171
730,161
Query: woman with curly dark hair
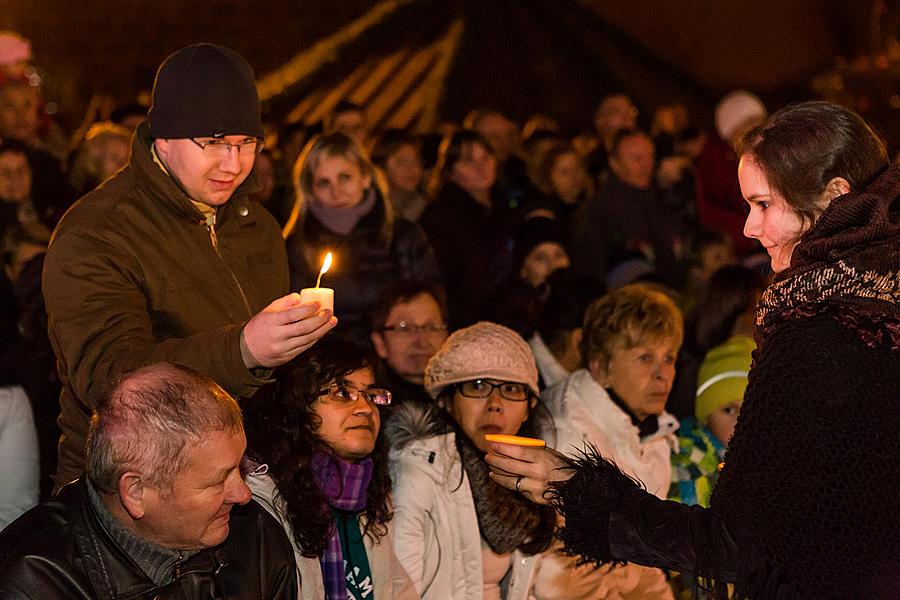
317,462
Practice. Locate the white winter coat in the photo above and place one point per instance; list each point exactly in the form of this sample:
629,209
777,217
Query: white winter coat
436,528
19,461
583,412
388,575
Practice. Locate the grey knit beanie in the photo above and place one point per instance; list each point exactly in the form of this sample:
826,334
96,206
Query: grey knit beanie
205,90
484,350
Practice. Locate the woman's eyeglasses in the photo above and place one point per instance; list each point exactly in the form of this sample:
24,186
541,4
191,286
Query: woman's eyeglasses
482,388
345,395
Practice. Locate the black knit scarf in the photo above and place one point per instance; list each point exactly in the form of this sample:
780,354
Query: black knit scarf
647,427
506,519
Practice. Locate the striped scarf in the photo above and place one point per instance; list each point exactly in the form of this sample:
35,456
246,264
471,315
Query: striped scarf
344,486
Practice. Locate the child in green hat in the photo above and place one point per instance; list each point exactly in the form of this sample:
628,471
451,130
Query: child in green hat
721,382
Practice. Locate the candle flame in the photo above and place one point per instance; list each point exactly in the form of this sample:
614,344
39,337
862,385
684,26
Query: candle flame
326,264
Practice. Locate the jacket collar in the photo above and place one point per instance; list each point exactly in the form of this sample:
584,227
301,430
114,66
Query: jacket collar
114,574
597,403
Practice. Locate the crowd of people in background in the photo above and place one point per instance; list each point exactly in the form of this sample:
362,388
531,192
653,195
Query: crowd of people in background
500,277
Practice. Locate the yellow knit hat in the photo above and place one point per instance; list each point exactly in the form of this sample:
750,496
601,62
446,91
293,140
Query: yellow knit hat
722,378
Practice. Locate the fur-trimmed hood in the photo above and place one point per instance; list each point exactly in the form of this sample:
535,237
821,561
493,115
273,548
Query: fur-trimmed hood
413,422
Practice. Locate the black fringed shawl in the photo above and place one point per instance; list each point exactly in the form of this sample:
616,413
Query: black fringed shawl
808,504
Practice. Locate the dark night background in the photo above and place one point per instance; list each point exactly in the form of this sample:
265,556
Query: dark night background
522,56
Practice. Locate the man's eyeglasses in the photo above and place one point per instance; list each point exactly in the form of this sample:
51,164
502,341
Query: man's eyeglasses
482,388
220,148
409,328
346,395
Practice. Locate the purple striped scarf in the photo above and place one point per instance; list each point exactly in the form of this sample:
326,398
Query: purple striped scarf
344,485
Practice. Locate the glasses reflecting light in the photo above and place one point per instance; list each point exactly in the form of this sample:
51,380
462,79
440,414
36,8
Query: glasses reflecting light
410,328
220,148
346,395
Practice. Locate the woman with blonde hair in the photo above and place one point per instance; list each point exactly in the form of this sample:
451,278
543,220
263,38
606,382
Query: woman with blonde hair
340,207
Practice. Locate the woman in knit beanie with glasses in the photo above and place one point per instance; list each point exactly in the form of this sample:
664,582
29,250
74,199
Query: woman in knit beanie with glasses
459,534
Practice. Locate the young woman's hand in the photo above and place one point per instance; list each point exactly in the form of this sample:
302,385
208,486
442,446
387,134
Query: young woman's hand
527,470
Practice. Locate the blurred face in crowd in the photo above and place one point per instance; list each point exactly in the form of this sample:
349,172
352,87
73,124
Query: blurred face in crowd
349,428
413,332
112,155
641,376
615,113
544,259
632,161
195,512
501,133
351,123
714,257
15,177
339,183
491,415
19,118
264,169
568,176
721,421
209,175
476,170
771,220
404,168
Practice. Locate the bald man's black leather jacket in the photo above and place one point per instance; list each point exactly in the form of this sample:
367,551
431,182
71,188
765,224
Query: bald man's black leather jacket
59,549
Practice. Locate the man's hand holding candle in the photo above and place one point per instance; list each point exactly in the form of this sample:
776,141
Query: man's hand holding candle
282,330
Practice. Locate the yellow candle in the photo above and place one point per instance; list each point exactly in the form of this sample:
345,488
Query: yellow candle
324,296
515,440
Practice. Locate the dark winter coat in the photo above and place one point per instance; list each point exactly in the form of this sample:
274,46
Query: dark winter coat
473,246
366,264
60,549
807,504
623,219
133,277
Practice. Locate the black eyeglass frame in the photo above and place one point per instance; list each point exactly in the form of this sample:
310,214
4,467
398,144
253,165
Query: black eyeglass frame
529,394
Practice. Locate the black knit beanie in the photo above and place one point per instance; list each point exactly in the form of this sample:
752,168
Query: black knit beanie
204,90
534,232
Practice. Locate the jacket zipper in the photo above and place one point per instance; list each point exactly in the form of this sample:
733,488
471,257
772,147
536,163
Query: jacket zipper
213,238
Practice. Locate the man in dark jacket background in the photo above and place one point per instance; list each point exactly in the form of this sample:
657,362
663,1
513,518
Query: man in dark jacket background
629,216
163,512
169,260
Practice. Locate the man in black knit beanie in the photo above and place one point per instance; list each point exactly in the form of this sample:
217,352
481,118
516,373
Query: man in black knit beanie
169,260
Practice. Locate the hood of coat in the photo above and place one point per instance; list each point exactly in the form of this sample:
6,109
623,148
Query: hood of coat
412,422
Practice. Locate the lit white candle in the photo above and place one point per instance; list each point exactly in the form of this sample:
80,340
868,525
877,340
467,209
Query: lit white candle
324,296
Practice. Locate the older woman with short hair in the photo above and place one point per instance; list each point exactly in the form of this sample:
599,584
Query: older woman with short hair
317,462
616,404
